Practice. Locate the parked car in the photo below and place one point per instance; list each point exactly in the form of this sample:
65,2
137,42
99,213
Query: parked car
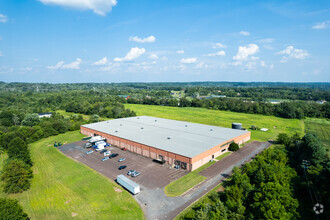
113,155
122,167
89,152
123,149
107,153
130,172
105,158
121,159
135,174
102,151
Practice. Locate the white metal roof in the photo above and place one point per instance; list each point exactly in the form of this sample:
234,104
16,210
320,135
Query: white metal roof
179,137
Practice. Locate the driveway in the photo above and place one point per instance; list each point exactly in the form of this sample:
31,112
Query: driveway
154,177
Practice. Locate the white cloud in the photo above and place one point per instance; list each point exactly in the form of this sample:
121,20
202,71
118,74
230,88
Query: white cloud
322,25
254,58
291,52
219,53
26,69
201,65
245,51
153,56
149,39
134,53
101,7
180,51
3,18
57,66
61,65
73,65
219,45
102,61
188,60
1,54
244,33
110,67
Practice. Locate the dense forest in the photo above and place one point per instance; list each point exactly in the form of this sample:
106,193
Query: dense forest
283,182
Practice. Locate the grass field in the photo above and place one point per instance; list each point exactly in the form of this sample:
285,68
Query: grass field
85,117
63,188
190,180
224,119
320,127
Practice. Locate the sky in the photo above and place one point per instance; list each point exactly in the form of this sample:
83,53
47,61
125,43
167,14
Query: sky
73,41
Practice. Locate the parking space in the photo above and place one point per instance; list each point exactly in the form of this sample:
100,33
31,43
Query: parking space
153,175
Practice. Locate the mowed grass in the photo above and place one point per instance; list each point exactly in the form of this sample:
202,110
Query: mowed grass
182,185
320,127
63,188
224,119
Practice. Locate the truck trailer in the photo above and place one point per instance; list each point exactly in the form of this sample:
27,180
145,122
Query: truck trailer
128,184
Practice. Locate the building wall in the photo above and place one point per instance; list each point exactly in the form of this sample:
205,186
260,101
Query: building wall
138,148
170,158
216,151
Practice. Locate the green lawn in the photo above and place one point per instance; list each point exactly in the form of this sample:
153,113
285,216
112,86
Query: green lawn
320,127
224,119
62,188
190,180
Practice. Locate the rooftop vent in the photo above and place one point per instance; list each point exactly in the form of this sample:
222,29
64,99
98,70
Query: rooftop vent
121,125
116,131
211,129
141,127
155,120
186,125
138,117
168,137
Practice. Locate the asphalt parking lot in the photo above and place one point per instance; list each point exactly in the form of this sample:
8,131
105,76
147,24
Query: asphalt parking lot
153,175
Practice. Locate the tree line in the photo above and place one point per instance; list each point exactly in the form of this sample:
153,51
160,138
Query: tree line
274,185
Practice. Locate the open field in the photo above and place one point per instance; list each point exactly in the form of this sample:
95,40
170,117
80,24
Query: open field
320,127
85,117
190,180
224,119
63,188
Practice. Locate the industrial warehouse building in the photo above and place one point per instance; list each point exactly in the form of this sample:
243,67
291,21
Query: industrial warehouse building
186,144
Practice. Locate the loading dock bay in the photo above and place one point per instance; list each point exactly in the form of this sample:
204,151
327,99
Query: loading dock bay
153,175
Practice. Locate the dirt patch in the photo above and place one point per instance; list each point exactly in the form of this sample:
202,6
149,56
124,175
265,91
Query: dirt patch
73,214
66,202
117,189
220,189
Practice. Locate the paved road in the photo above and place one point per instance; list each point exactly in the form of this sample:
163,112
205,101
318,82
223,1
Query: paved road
152,199
158,206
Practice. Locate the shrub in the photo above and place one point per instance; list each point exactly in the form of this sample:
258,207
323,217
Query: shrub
16,176
10,209
233,147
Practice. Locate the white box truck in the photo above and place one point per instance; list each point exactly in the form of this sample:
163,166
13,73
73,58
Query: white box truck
131,186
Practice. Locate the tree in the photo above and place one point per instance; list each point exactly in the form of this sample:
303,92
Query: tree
16,176
233,147
18,149
283,138
11,210
31,120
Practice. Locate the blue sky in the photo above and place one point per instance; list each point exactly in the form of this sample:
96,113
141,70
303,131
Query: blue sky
60,41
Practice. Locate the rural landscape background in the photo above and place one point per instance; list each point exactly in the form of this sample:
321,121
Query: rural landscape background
263,64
